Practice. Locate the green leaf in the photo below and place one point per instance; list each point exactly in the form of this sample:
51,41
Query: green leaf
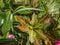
7,1
2,14
42,6
27,43
41,14
2,4
1,21
58,3
41,34
23,11
7,23
2,17
39,25
20,7
19,0
58,32
32,35
34,19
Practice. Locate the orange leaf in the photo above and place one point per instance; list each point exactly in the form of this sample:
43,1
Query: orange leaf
22,21
23,29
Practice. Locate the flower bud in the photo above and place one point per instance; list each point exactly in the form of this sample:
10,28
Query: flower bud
11,36
49,20
57,43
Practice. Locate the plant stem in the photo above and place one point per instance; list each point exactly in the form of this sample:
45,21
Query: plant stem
37,41
41,20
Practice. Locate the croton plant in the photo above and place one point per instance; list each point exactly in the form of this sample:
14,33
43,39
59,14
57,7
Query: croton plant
30,22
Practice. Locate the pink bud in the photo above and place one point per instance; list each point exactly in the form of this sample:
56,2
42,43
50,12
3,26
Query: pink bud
11,36
49,20
57,43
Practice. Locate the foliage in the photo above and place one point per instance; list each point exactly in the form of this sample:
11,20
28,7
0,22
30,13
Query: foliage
32,22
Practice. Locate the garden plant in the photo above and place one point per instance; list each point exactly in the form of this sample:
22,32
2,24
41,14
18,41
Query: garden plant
29,22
